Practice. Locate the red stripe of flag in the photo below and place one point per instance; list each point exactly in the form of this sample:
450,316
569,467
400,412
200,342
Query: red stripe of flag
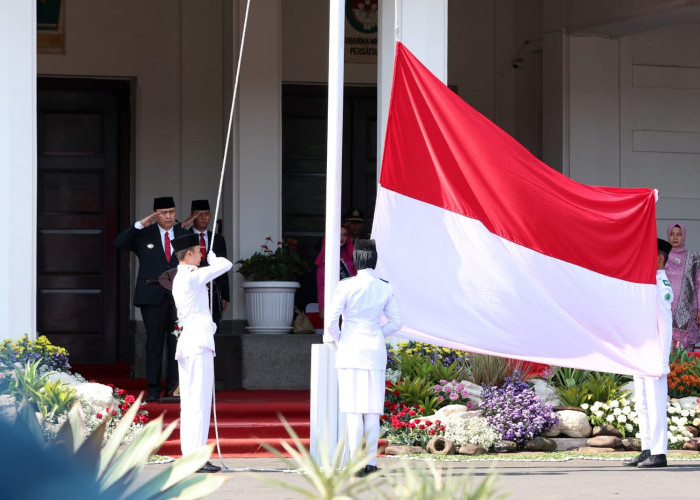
441,151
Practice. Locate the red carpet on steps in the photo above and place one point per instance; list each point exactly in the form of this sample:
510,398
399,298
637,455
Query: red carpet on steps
246,418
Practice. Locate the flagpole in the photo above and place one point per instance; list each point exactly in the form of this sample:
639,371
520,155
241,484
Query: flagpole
326,423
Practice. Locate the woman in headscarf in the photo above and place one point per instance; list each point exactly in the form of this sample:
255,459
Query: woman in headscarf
347,267
682,270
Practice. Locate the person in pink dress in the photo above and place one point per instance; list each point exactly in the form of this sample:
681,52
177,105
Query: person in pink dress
682,270
347,268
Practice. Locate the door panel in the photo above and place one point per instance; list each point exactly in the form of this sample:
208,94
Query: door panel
79,132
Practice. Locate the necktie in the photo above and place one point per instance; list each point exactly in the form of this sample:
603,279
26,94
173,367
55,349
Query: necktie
203,247
167,246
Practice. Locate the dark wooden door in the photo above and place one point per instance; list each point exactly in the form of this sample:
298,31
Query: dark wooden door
82,127
304,125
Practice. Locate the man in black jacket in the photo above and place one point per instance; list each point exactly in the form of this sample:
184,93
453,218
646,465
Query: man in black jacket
202,216
150,239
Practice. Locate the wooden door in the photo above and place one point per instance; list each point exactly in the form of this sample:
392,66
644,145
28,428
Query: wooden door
82,149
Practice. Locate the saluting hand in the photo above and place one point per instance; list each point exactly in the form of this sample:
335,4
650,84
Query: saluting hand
185,223
149,219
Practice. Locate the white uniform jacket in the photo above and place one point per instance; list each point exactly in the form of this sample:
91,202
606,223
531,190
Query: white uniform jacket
192,302
361,300
665,317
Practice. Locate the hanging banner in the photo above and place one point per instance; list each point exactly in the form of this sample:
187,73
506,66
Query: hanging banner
361,26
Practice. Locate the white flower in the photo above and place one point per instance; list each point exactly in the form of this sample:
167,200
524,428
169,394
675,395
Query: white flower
671,409
617,411
610,418
626,410
614,403
629,427
622,419
584,406
599,414
685,413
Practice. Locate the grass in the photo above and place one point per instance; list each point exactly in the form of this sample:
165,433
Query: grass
556,456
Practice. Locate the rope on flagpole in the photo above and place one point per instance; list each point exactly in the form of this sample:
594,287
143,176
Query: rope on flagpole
218,203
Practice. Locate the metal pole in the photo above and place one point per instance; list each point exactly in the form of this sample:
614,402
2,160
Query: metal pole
326,423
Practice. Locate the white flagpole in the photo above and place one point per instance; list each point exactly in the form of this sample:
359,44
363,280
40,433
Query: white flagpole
326,423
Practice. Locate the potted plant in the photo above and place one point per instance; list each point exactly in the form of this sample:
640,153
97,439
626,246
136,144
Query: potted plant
270,286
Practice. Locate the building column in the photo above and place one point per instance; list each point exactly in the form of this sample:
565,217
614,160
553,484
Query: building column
423,30
18,168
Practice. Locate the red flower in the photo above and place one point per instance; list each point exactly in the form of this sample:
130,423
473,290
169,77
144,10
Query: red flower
91,381
129,399
428,423
99,415
417,420
121,392
412,425
431,432
437,422
268,239
442,427
421,427
110,385
412,413
396,393
114,413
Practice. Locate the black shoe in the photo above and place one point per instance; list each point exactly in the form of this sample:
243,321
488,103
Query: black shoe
370,469
632,462
209,467
653,461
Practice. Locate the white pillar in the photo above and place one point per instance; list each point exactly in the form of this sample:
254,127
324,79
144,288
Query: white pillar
18,167
422,28
257,169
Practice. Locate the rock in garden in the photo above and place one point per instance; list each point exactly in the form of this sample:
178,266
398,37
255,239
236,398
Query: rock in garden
632,444
572,408
567,443
607,430
64,377
475,391
471,449
8,408
98,395
590,449
692,430
605,442
441,446
540,443
505,446
691,445
395,449
545,391
688,403
448,410
571,423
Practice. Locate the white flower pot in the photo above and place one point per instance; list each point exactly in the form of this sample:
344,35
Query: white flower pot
270,305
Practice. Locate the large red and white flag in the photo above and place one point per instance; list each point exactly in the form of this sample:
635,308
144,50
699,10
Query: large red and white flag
492,251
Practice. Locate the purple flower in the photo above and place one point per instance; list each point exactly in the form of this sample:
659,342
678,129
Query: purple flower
454,396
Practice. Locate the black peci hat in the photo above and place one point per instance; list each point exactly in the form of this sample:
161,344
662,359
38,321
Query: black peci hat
185,242
663,245
163,202
199,205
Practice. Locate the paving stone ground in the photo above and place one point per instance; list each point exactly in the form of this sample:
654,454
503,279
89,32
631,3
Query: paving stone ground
572,479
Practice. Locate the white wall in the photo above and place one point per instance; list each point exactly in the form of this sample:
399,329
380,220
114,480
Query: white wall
660,129
173,50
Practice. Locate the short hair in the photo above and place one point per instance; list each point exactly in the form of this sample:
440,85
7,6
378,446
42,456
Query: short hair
181,253
364,256
665,254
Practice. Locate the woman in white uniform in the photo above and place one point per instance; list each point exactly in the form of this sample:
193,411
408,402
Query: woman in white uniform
361,355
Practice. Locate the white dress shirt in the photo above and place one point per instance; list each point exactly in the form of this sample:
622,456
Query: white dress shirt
362,300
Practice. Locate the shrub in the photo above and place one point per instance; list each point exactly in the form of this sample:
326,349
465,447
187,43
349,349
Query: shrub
577,387
453,393
282,264
404,426
683,380
492,371
617,412
419,360
412,392
474,430
23,351
516,412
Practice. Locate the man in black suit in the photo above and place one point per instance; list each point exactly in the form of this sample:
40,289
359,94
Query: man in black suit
202,216
150,239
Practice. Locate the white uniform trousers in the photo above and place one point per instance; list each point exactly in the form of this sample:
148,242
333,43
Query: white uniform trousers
650,403
196,385
361,425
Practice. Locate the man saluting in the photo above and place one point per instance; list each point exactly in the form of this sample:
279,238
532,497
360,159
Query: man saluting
195,347
151,240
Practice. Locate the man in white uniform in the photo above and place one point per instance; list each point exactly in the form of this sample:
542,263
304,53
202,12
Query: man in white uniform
195,347
361,355
650,392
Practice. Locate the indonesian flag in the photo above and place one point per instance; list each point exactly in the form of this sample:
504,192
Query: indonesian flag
490,250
